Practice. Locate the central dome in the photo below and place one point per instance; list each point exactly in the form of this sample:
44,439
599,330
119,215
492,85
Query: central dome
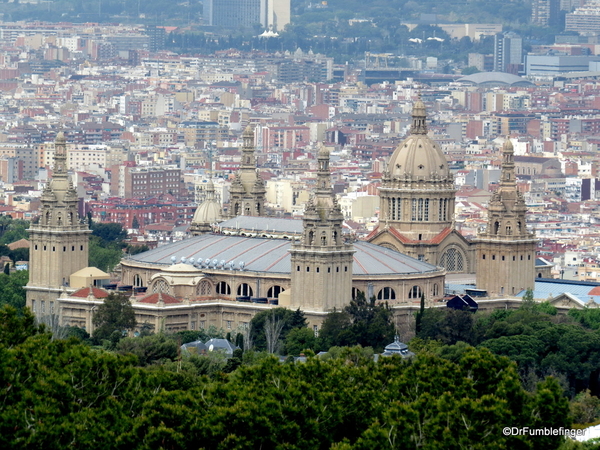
418,157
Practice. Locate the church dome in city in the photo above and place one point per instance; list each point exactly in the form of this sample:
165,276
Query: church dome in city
209,211
418,157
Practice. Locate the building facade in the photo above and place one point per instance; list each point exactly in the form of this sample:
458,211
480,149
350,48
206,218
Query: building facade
247,193
417,203
59,241
506,249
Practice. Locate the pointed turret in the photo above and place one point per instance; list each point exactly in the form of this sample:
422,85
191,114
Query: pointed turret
247,191
506,249
322,261
59,241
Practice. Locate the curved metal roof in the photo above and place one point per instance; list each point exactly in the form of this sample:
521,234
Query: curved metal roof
495,79
272,255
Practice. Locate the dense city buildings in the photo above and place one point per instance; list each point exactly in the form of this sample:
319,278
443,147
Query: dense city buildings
282,144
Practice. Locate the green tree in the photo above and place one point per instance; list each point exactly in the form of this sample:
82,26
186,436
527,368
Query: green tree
109,232
104,256
447,325
12,291
149,349
114,316
298,340
362,323
15,230
287,318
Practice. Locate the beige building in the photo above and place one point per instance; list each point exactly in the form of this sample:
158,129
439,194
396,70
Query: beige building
417,203
506,249
59,241
223,279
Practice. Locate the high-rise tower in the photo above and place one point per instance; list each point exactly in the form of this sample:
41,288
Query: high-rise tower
506,249
59,241
247,191
321,273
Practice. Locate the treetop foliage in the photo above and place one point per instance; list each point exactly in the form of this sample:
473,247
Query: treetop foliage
62,393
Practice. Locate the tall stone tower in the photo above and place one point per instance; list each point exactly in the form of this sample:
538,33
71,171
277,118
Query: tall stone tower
321,272
59,241
506,249
247,191
417,202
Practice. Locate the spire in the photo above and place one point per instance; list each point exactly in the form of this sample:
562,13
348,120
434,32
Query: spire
508,164
60,156
323,175
419,118
248,156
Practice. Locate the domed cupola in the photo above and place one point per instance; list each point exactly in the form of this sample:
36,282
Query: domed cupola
418,157
417,188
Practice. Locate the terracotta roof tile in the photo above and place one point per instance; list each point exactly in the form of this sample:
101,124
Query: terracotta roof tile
85,292
155,298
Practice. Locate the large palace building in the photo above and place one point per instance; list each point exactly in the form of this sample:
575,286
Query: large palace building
253,262
223,275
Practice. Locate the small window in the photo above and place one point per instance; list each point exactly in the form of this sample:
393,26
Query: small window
329,270
521,257
482,256
318,270
64,248
297,268
35,247
528,257
307,268
514,258
73,248
337,269
502,257
81,247
494,257
53,248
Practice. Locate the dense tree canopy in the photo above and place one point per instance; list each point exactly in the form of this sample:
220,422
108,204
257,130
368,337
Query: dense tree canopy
362,322
12,290
64,394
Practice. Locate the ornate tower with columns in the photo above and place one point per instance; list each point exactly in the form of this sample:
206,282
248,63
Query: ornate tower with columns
321,272
247,191
506,249
59,241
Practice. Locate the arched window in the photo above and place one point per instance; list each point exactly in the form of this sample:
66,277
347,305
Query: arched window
161,286
223,288
244,290
204,288
415,292
435,290
387,293
452,260
355,292
137,281
274,291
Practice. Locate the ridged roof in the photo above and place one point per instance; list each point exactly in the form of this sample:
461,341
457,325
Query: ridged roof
272,255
